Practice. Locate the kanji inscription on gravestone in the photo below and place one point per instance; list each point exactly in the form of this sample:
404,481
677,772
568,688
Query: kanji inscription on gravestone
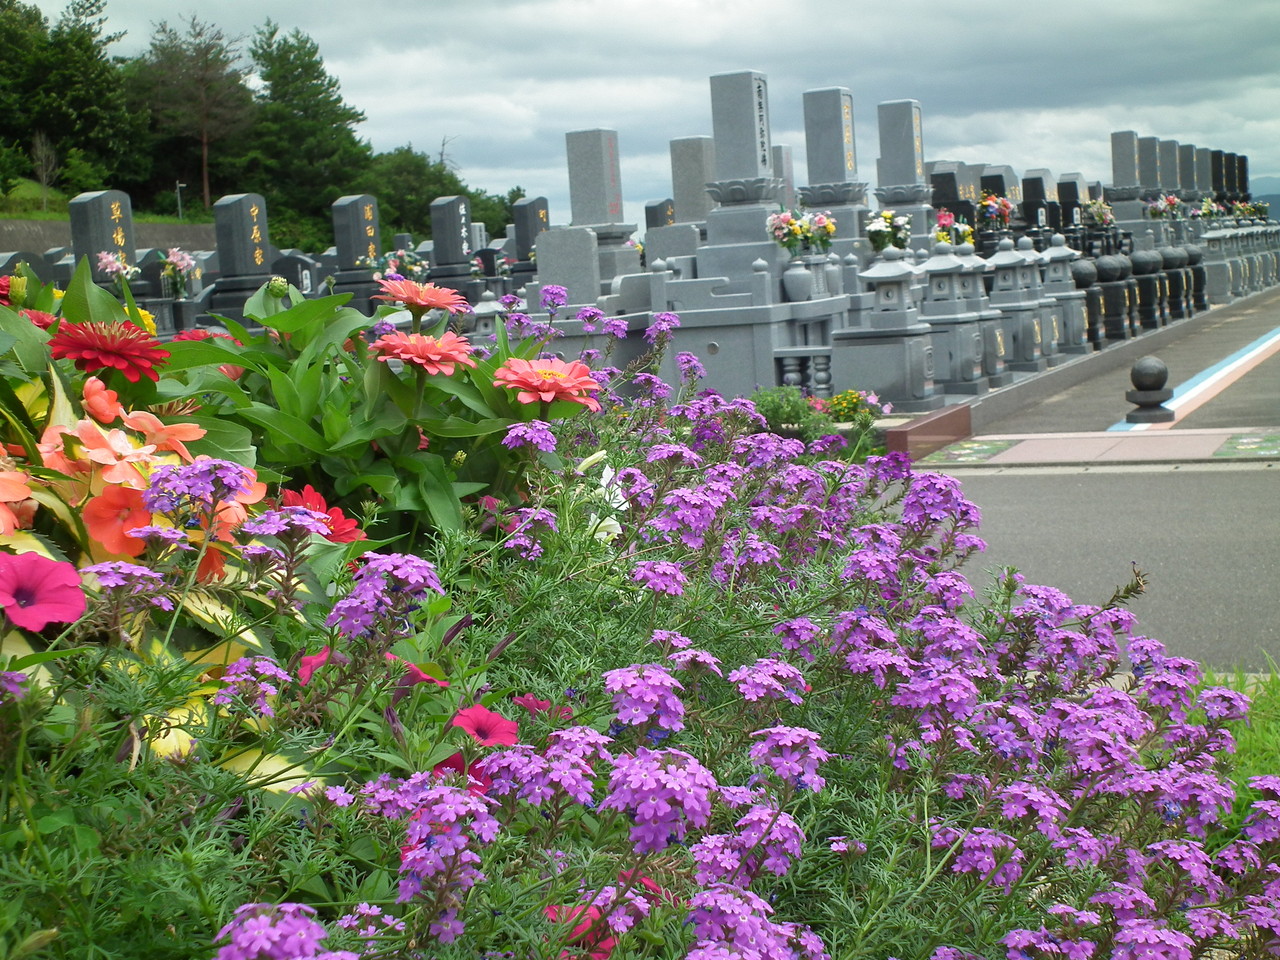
101,221
240,226
595,183
532,217
355,229
451,231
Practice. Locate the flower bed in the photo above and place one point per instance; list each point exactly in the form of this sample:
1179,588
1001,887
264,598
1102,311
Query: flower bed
648,682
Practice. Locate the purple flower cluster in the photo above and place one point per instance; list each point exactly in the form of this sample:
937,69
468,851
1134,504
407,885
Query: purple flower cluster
792,753
644,694
661,576
691,368
767,839
665,791
198,486
731,922
129,587
13,686
563,768
535,433
589,317
523,539
287,523
251,680
387,588
660,327
264,931
554,297
769,678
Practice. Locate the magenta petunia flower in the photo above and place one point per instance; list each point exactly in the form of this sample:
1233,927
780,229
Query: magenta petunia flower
36,591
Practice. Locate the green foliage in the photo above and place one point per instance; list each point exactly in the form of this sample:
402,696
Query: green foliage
302,150
789,411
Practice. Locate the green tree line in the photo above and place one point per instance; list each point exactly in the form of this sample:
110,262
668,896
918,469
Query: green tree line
218,114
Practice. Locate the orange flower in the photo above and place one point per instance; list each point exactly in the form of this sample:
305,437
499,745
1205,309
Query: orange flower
115,451
100,403
13,489
112,513
164,436
418,298
548,380
53,453
434,356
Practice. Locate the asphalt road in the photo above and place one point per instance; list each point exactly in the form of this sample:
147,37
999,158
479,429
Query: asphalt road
1207,536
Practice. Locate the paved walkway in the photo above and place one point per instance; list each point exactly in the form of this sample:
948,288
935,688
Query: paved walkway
1225,374
1072,496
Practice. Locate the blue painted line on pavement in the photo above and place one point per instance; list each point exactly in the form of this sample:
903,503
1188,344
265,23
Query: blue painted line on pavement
1181,391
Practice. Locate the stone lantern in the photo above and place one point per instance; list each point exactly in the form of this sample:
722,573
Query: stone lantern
891,353
1060,287
957,341
973,291
1019,309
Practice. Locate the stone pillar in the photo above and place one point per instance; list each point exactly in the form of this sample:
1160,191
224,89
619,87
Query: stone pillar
833,183
957,341
595,198
693,161
900,167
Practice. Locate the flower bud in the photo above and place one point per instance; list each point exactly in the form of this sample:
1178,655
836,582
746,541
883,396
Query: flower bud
278,287
18,290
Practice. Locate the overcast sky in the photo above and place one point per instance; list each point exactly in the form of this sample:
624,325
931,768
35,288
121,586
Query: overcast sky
1029,83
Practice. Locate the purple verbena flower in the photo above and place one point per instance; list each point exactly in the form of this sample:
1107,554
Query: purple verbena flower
661,576
251,680
644,694
665,791
535,433
660,326
792,753
769,678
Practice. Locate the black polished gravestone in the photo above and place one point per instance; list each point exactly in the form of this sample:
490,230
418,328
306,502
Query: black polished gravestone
955,188
356,240
245,253
1040,204
531,217
102,222
659,213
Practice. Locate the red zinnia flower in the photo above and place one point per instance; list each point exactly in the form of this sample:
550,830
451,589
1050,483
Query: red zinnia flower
4,290
548,380
118,346
434,356
342,529
36,591
418,298
486,727
40,318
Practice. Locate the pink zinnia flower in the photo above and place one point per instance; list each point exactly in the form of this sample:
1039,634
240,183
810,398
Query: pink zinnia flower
36,591
548,380
434,355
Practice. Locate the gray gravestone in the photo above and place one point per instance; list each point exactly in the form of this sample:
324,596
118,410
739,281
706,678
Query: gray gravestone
693,166
101,221
1149,163
1124,159
828,136
450,231
1187,168
659,213
901,143
1204,169
666,243
1170,169
244,244
479,237
954,182
784,168
355,229
531,219
740,126
567,257
595,184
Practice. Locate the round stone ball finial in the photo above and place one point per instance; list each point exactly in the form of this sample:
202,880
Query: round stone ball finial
1149,376
1149,373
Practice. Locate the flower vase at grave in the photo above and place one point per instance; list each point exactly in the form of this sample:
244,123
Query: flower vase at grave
816,264
172,288
797,281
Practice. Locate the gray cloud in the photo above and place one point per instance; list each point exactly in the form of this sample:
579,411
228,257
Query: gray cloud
1007,81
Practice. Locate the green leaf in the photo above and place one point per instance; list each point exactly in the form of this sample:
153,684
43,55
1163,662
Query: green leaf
458,427
44,656
85,300
29,342
285,430
436,487
464,391
224,439
185,354
304,316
